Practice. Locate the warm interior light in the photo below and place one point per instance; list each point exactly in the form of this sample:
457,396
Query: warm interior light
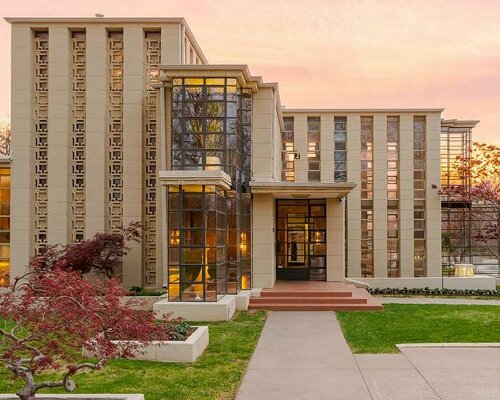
175,238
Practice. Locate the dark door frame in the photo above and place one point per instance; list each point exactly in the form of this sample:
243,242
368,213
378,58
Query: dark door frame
302,272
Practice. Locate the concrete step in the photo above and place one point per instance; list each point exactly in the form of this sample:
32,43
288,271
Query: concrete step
265,293
315,307
307,300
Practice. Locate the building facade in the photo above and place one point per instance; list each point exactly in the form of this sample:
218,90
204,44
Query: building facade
123,120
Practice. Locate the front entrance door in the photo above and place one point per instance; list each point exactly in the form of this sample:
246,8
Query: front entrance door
301,240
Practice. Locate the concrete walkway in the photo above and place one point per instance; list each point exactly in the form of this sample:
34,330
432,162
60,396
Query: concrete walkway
303,355
436,300
451,373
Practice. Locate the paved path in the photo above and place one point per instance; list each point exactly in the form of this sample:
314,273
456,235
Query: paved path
452,373
436,300
303,355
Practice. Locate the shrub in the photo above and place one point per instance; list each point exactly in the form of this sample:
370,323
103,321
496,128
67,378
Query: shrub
434,292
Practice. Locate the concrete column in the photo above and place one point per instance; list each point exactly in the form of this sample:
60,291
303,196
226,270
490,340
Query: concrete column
433,202
96,145
59,158
133,85
353,206
262,135
263,241
335,240
406,197
22,177
300,138
171,44
380,195
162,154
326,148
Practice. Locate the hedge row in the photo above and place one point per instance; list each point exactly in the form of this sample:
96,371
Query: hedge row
435,292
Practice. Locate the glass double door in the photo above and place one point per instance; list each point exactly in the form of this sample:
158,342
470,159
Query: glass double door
301,240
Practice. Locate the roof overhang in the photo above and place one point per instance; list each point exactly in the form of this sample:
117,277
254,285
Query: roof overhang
199,177
240,72
457,123
303,190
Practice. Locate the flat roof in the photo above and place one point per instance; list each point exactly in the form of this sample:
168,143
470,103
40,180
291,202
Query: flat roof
359,110
89,20
112,20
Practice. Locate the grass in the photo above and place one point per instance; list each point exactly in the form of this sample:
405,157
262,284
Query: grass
379,332
216,374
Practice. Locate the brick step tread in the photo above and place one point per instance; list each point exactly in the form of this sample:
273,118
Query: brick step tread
309,300
264,293
316,307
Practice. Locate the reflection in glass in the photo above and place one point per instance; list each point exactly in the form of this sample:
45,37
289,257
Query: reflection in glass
209,238
367,270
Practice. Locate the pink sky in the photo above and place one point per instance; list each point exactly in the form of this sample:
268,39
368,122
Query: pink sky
331,53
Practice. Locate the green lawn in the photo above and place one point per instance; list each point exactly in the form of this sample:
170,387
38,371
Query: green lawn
379,332
216,374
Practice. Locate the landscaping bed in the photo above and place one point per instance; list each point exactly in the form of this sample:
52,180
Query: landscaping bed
187,349
379,332
406,292
215,375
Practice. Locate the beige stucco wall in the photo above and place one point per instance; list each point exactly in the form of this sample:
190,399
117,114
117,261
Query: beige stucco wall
133,83
59,167
433,202
59,121
96,124
263,241
335,241
263,135
21,231
353,206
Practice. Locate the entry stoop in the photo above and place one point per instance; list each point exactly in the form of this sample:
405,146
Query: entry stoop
314,296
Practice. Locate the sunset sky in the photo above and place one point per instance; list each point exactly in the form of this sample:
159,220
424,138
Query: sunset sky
331,53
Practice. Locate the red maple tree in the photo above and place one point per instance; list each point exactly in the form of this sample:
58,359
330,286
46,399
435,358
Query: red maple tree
102,254
49,317
480,167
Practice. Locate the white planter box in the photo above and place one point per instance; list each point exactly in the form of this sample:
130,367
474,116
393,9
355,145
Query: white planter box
221,310
172,350
82,396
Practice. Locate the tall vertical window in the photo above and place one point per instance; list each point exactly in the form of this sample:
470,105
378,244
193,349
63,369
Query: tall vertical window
41,116
313,148
367,197
340,151
152,48
197,262
208,114
78,77
115,131
210,229
4,226
288,150
393,256
419,182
